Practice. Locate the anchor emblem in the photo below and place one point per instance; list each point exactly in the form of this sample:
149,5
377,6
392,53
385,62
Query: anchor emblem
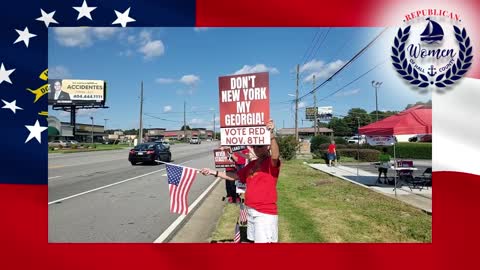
432,71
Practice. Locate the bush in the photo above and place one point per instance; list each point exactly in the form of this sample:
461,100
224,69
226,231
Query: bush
340,141
412,150
288,147
408,150
317,141
60,147
52,148
369,155
74,146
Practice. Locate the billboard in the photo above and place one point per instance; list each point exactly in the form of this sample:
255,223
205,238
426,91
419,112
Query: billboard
244,109
323,113
76,92
310,113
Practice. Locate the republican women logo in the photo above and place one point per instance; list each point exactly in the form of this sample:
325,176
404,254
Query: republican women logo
429,56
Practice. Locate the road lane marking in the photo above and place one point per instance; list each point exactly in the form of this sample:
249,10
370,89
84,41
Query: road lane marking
110,185
179,220
53,177
87,163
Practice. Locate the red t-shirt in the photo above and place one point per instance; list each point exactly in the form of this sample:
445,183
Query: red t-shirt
331,148
261,193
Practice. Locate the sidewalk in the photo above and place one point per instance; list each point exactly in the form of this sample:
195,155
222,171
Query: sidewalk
420,199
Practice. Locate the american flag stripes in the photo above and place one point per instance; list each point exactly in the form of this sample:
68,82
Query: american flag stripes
236,238
243,214
180,180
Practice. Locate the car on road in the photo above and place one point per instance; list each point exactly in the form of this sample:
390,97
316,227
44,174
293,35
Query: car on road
73,142
149,153
58,143
164,143
195,140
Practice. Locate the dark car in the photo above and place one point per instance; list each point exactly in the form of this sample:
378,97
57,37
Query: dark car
148,153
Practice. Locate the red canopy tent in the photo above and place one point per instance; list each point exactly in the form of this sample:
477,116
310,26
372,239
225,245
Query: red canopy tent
416,120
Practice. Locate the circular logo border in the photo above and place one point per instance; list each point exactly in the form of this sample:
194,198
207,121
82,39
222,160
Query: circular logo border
410,74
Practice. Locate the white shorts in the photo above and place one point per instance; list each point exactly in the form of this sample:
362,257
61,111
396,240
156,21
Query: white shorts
262,228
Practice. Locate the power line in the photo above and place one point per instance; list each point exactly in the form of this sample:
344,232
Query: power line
152,116
356,79
355,57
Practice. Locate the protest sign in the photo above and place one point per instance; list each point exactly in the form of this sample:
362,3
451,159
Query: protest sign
244,109
222,159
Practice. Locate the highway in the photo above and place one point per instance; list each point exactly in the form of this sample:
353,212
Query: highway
100,197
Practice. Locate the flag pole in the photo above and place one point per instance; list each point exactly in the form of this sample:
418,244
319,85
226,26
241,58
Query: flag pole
158,161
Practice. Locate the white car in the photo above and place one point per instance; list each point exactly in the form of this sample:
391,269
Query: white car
164,143
357,140
195,140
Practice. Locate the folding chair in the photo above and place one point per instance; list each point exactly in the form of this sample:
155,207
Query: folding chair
406,175
425,179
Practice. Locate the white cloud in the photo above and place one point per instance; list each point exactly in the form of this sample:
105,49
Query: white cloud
347,93
126,53
59,72
105,32
257,68
301,105
190,79
167,108
164,80
131,39
83,36
320,69
145,36
152,49
73,36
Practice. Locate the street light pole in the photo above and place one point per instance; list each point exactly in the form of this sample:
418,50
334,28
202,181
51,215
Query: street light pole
91,118
376,85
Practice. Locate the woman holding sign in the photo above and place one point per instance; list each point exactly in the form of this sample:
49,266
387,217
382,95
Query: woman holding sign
261,177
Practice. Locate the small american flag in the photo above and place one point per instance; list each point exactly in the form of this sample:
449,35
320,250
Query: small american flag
180,180
243,214
236,238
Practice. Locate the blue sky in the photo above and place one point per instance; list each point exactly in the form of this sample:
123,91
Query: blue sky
183,64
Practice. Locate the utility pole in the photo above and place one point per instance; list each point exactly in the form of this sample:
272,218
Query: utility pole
296,104
140,139
105,127
213,126
376,85
91,118
184,121
315,105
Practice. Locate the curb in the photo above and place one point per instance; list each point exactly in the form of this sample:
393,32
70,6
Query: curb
181,221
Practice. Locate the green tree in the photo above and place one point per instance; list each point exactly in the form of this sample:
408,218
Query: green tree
381,114
339,127
429,102
355,117
183,127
